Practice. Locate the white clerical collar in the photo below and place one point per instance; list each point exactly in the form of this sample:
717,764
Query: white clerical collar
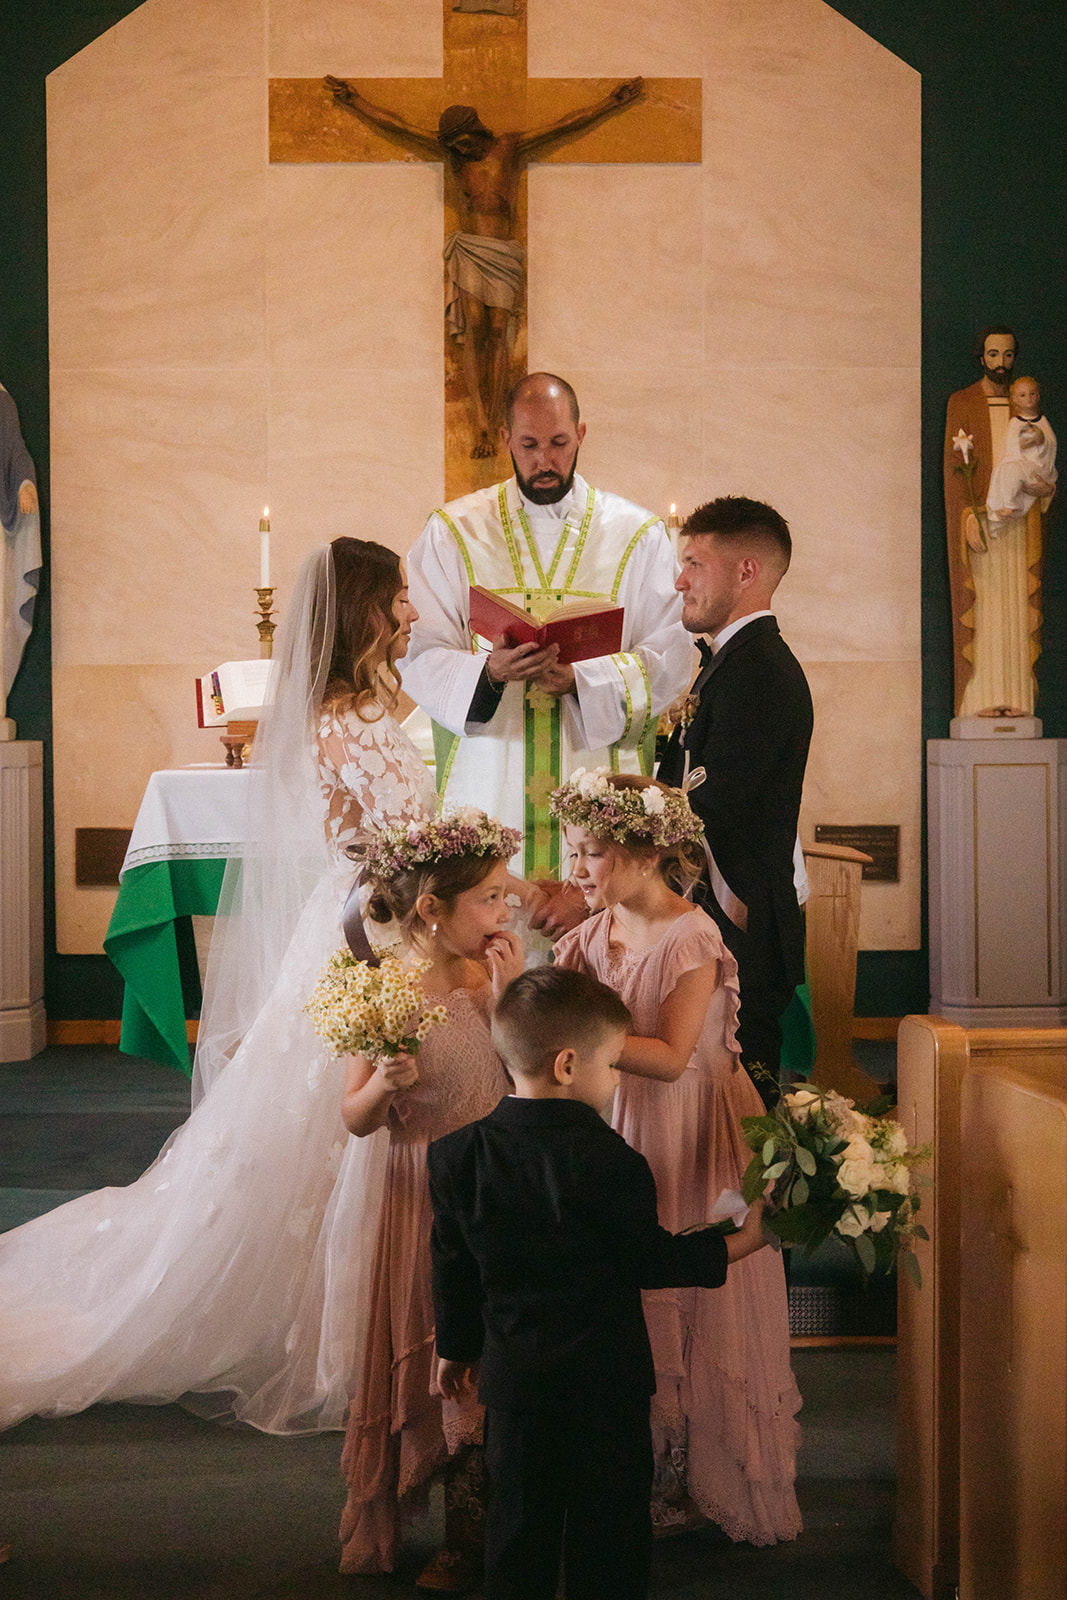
735,627
559,508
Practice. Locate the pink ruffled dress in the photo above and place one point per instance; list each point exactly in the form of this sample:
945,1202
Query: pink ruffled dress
724,1413
399,1431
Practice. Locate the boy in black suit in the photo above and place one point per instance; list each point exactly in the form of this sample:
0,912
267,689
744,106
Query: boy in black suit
545,1232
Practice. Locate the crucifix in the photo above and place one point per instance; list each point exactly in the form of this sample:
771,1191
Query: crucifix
448,120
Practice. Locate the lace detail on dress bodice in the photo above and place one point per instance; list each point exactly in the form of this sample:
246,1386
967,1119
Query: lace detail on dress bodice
461,1077
370,775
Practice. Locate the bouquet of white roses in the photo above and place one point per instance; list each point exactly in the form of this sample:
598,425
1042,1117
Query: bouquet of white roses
836,1170
357,1009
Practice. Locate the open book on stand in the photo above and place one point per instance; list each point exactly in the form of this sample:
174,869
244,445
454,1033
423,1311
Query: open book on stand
581,628
234,692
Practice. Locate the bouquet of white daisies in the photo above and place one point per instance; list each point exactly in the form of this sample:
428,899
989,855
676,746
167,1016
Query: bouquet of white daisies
358,1009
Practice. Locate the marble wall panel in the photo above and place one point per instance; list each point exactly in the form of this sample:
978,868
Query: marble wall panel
113,727
354,276
837,452
811,210
865,758
158,480
386,39
156,219
615,265
179,38
645,431
363,455
569,41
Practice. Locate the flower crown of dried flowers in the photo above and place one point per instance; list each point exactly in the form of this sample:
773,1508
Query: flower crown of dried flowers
657,817
464,831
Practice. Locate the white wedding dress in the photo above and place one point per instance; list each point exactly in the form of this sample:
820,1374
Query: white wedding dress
233,1273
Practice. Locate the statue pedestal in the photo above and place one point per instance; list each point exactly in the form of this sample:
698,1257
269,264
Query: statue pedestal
22,1019
998,881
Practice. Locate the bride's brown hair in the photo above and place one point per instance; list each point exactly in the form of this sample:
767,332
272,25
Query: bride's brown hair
367,581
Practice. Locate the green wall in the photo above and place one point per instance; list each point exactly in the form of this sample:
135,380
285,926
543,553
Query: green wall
994,203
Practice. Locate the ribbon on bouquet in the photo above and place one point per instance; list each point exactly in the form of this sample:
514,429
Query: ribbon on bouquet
733,906
352,924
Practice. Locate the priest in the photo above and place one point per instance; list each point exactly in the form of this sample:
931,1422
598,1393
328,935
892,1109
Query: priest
511,723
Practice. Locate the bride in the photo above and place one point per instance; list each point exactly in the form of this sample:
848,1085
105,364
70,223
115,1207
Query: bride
233,1273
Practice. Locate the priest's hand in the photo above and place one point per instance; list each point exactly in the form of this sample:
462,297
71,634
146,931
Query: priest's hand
555,679
519,663
27,497
565,909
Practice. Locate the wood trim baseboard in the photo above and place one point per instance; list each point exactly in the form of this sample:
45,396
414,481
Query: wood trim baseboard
875,1027
827,1341
96,1030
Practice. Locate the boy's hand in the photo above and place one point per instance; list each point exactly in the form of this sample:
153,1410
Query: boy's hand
456,1378
749,1237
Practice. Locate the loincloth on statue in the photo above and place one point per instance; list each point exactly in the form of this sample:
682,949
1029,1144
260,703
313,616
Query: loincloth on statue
492,271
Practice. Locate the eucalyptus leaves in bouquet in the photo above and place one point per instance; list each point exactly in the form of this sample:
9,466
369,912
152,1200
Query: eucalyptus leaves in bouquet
837,1170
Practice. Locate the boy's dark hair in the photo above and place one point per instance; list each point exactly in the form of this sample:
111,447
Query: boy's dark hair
735,520
550,1009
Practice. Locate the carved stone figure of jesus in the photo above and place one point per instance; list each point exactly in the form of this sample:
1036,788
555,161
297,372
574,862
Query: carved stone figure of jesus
486,264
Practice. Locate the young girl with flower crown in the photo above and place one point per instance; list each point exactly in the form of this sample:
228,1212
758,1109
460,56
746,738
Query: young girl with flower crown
442,884
724,1411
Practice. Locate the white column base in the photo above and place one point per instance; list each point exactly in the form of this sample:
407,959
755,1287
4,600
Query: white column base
22,1020
22,1032
1000,1016
998,881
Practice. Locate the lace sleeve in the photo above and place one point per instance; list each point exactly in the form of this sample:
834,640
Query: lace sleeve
371,774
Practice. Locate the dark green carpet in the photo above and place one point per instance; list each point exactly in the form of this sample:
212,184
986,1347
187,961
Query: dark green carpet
149,1503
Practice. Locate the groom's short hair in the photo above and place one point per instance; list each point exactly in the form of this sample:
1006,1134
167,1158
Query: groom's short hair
734,520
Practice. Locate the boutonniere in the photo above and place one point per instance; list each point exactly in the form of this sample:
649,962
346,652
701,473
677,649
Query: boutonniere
683,710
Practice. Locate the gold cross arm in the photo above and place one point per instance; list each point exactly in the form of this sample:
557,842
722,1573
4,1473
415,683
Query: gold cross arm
307,124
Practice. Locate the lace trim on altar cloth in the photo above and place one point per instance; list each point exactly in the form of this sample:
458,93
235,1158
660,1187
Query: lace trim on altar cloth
172,851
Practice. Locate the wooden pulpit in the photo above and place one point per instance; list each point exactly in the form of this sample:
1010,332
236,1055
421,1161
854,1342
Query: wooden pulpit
833,928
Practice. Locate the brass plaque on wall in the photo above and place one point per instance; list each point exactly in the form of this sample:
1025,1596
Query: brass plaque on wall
880,841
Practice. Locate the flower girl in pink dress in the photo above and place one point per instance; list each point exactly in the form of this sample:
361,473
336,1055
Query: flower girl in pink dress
443,883
724,1411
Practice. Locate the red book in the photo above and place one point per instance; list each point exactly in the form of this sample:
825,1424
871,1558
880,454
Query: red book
582,628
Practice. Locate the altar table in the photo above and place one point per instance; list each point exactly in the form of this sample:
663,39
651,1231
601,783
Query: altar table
191,819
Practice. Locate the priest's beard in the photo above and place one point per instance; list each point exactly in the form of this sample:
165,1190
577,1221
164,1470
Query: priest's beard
547,487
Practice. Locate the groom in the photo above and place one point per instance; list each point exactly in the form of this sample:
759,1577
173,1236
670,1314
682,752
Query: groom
748,723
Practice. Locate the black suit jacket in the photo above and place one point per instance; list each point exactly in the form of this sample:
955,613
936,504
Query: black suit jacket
751,731
545,1232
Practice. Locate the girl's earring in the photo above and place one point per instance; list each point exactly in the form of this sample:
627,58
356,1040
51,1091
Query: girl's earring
433,930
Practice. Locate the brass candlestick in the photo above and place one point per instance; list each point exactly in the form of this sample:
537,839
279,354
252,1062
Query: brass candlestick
264,624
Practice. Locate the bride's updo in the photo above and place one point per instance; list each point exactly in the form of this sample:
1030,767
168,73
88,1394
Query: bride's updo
362,669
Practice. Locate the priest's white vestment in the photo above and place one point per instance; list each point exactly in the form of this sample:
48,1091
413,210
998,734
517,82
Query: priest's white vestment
590,544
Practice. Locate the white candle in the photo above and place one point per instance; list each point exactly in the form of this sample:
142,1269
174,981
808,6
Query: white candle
674,524
264,549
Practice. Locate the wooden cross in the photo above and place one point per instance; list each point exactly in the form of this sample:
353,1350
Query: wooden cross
484,67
